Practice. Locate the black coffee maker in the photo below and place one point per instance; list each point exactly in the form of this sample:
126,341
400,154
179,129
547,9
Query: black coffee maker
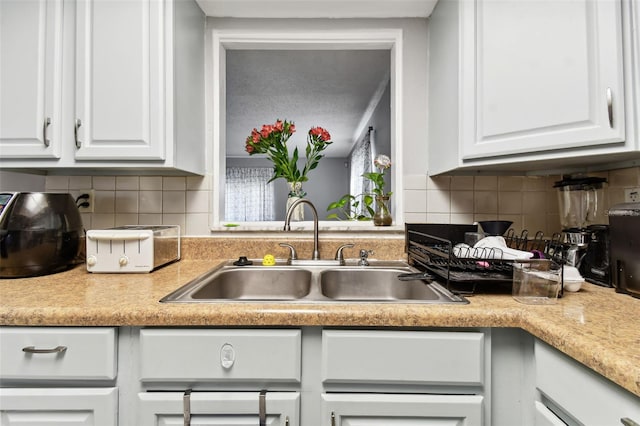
594,266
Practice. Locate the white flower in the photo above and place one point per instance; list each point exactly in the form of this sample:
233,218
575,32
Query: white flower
382,162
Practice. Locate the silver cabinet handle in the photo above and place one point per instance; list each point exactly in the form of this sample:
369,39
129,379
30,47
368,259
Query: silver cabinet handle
186,407
75,133
262,408
34,350
626,421
610,106
333,419
47,123
286,421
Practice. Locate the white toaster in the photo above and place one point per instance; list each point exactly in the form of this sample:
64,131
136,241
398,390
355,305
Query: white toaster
132,248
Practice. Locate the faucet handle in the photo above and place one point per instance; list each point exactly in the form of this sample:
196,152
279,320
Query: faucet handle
364,254
339,255
293,255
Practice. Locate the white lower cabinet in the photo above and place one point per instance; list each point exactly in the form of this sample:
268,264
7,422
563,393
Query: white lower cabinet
217,408
59,406
219,377
578,395
403,378
311,376
401,410
58,376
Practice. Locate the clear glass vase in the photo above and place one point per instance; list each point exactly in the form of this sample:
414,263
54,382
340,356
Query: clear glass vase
382,216
295,193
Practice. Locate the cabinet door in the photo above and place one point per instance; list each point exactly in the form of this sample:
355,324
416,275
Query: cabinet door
581,393
546,417
30,78
217,408
120,89
548,76
69,407
401,410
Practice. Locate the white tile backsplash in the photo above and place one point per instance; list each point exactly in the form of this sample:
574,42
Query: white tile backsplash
150,219
417,182
174,183
56,183
105,201
127,183
438,201
104,183
197,224
509,202
197,201
151,183
174,202
80,182
127,202
415,200
529,201
174,219
150,202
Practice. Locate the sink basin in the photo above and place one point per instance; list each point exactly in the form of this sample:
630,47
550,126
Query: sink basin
244,283
379,285
314,283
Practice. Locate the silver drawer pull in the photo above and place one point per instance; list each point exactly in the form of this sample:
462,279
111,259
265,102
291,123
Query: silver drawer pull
34,350
186,407
333,419
626,421
262,407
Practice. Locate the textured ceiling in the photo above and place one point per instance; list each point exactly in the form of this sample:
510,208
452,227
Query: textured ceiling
334,89
318,8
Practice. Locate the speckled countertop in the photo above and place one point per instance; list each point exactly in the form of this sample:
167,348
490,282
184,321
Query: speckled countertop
595,326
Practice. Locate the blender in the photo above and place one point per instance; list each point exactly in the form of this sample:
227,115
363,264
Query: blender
579,199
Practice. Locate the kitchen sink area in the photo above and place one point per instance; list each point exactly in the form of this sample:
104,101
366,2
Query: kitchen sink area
379,282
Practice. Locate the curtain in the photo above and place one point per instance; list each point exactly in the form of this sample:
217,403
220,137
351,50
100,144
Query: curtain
248,197
361,162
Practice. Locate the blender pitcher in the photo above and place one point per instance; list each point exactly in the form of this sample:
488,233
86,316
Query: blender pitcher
578,201
578,198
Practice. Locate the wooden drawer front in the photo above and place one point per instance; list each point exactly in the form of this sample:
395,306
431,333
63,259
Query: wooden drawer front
220,355
85,353
402,357
581,392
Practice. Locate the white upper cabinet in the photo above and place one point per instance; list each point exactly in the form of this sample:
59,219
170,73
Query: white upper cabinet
526,85
121,84
120,89
30,78
549,76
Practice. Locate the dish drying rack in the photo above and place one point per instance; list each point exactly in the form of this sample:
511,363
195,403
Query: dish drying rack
434,248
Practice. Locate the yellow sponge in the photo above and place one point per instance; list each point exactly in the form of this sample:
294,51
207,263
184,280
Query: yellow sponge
268,260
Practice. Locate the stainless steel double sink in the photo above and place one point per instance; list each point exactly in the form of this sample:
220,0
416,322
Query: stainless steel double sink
394,282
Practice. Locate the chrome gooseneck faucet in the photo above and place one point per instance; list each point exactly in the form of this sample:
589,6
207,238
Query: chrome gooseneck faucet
287,226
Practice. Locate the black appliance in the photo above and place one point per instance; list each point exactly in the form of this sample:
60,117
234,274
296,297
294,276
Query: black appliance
40,233
594,266
624,229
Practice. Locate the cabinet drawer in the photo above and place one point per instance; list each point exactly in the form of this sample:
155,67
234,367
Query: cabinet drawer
220,355
30,353
417,357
